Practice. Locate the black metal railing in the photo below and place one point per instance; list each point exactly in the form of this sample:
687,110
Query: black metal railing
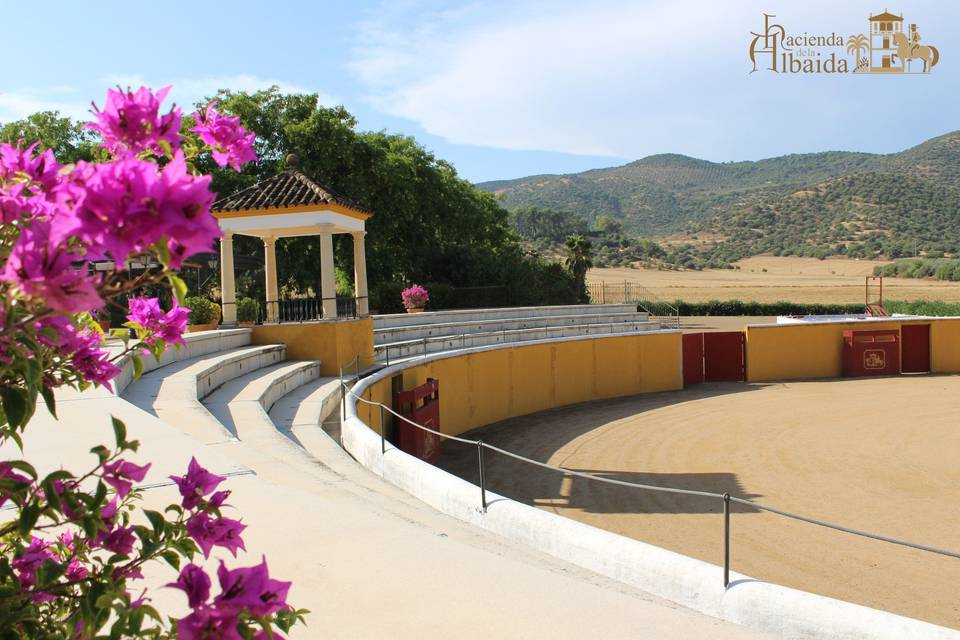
303,310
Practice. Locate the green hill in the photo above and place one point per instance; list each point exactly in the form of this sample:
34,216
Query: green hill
804,204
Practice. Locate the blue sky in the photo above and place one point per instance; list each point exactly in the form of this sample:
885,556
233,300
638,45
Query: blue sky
502,89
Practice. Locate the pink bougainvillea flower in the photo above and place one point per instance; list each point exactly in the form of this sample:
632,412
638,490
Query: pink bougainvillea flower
250,589
19,164
75,570
7,473
183,202
121,474
217,499
127,205
92,363
109,510
117,540
42,268
207,623
194,582
157,325
197,483
229,141
30,560
210,532
132,122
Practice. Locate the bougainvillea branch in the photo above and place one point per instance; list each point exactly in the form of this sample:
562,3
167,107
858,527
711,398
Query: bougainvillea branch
72,551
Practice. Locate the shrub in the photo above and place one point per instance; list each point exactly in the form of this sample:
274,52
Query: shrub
247,310
202,310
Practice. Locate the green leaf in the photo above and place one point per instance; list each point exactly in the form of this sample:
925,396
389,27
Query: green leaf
28,519
14,405
172,558
52,496
48,399
179,287
49,572
22,465
157,521
34,372
137,367
101,452
119,431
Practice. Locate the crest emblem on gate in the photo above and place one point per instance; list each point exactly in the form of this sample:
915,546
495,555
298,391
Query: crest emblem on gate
874,359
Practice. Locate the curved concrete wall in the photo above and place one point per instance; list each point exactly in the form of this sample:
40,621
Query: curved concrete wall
686,581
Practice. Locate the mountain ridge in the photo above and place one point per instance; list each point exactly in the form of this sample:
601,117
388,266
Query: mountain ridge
823,202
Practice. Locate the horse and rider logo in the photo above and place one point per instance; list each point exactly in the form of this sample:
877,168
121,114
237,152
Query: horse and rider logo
887,47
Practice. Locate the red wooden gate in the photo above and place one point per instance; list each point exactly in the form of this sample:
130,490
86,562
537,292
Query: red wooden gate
723,358
713,357
692,358
915,348
422,406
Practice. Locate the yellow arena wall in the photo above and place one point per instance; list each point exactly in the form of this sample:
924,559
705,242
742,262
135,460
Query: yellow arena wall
334,344
815,350
488,386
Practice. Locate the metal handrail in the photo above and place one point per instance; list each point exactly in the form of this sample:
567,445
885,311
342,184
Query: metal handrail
725,497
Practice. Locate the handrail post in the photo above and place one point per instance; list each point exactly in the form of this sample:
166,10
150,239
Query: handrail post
726,540
383,438
483,483
343,397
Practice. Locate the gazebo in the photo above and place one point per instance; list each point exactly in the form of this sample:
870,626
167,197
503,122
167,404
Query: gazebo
288,205
285,206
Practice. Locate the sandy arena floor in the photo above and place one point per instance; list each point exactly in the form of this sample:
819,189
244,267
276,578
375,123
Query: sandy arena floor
876,454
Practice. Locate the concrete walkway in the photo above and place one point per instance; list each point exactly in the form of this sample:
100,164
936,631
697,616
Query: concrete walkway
368,560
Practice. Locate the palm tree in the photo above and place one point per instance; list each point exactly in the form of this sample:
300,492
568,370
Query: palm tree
856,44
579,253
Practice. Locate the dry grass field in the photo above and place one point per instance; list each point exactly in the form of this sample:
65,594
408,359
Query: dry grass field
772,279
874,454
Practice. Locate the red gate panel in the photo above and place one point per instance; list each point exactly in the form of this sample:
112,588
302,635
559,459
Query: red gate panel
422,406
723,356
692,358
915,348
871,353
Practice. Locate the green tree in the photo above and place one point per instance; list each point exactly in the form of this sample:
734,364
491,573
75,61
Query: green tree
69,140
579,260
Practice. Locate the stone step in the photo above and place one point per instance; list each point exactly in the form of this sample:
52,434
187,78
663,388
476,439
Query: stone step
173,393
409,348
467,315
242,404
419,331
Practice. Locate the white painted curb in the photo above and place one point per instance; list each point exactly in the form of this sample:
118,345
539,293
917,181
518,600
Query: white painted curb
695,584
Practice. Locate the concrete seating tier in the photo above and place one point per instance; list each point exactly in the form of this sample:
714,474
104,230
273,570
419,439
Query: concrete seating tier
468,315
434,329
396,351
173,392
241,404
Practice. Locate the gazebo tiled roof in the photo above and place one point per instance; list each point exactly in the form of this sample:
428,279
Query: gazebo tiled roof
287,189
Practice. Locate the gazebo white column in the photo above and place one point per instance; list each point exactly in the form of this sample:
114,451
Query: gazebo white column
328,280
270,270
360,273
228,287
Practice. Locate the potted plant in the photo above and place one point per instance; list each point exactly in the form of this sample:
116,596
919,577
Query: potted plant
204,314
247,312
414,298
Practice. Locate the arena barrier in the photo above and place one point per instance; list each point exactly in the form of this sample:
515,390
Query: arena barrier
714,590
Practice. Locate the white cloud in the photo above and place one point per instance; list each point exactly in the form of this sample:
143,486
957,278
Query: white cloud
189,91
621,78
21,102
